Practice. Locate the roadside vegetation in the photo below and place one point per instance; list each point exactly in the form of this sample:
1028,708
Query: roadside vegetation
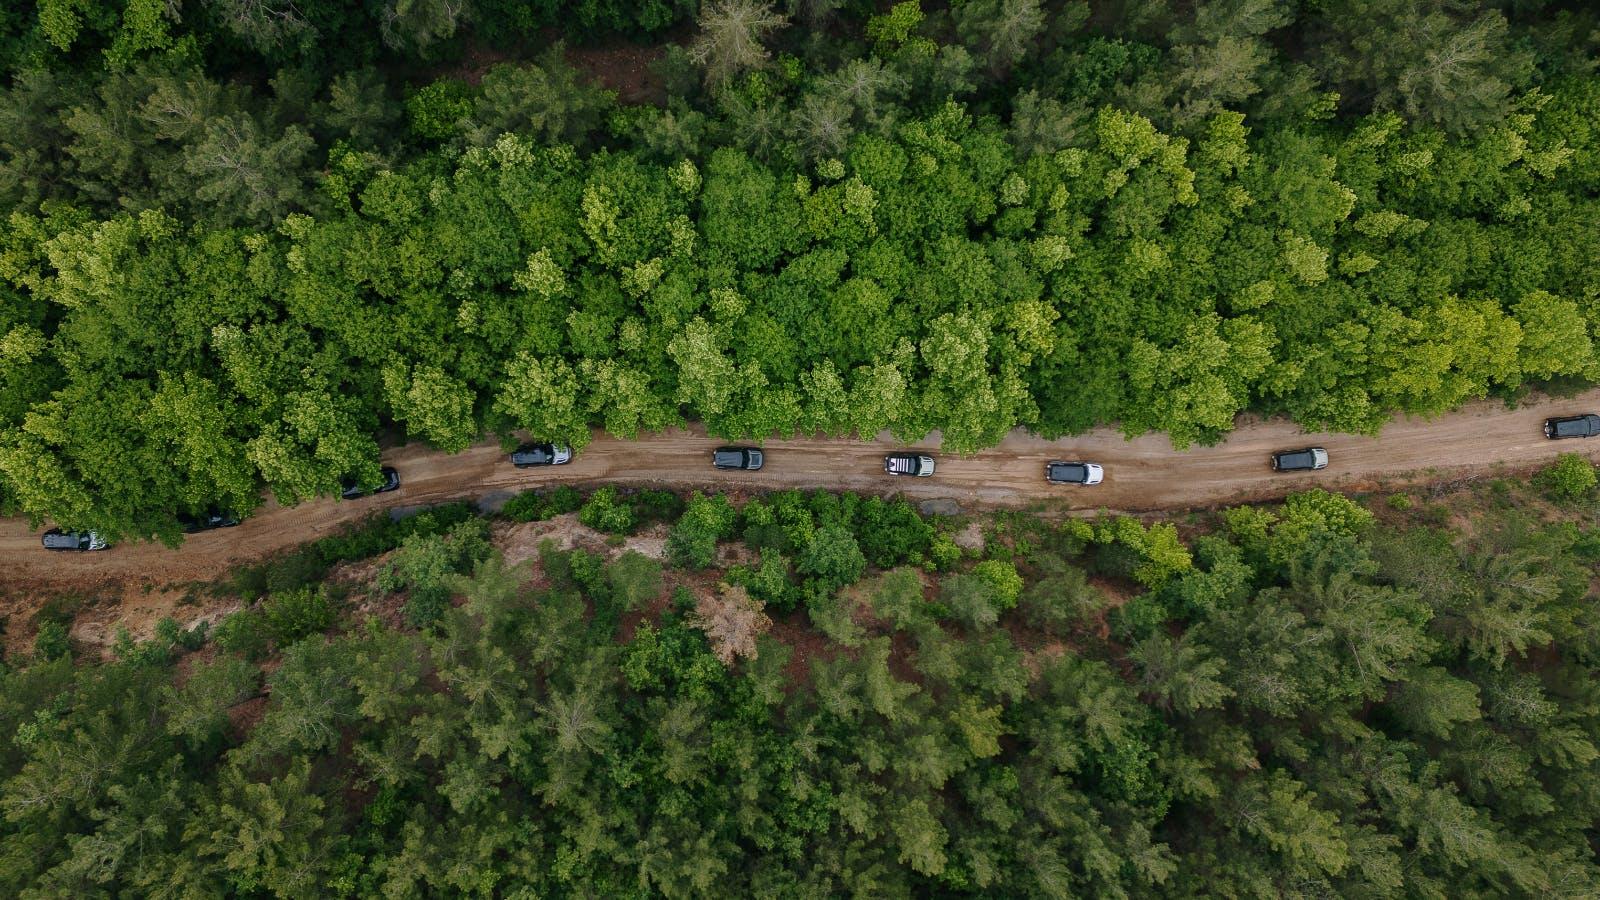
816,694
246,239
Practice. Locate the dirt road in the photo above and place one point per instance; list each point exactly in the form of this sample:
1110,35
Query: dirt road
1143,474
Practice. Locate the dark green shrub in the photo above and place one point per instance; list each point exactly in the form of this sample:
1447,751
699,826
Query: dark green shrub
769,582
435,111
244,632
891,532
424,563
692,543
154,652
292,615
833,556
376,534
537,505
171,635
527,506
656,506
51,640
1138,618
564,499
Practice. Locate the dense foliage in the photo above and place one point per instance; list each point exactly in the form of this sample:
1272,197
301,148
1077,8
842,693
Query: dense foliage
228,268
1304,702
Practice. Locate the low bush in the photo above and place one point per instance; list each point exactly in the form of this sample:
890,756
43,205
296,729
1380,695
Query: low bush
51,641
424,563
1572,477
378,533
1003,577
538,505
244,632
292,615
605,511
693,541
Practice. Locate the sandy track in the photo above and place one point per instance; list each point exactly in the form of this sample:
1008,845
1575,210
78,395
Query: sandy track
1141,475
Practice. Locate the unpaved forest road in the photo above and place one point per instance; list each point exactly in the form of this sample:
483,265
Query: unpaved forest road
1142,474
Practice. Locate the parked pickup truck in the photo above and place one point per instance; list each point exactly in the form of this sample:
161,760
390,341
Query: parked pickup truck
206,520
1572,427
748,458
354,489
908,464
530,455
1300,460
56,539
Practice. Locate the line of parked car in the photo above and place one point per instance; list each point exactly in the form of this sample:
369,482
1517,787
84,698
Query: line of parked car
751,459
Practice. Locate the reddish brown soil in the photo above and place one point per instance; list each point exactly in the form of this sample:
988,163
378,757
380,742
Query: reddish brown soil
624,68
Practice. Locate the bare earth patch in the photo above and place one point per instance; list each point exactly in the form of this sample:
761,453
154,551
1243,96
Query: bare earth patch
522,540
624,68
970,537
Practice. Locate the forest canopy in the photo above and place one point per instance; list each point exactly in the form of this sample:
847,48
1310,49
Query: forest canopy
1314,699
233,261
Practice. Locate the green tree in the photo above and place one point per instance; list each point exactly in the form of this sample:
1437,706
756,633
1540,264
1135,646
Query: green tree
434,404
833,556
542,396
692,543
635,579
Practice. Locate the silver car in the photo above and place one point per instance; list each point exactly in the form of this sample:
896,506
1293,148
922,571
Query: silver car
1059,472
918,464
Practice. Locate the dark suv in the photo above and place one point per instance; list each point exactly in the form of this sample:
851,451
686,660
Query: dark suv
918,464
205,521
748,458
353,489
529,455
1572,427
56,539
1300,460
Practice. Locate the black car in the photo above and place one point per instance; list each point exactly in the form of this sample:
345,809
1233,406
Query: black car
1572,427
205,521
529,455
1300,460
353,489
56,539
749,458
